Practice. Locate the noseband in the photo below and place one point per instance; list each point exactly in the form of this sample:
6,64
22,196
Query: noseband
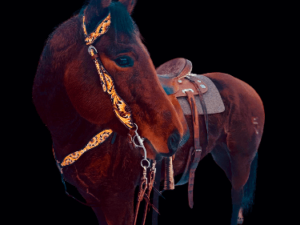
123,113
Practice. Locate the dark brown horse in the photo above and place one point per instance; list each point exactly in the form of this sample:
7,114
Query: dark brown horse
234,138
68,97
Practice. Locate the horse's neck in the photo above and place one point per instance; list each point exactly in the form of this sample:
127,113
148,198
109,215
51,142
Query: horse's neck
124,160
72,135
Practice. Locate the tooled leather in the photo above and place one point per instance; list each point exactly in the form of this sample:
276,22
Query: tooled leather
197,148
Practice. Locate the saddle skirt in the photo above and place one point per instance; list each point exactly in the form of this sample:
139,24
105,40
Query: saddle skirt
212,98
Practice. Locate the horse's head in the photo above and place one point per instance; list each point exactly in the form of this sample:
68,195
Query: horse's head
128,62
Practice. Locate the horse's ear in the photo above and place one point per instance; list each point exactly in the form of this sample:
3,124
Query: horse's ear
100,5
129,4
95,11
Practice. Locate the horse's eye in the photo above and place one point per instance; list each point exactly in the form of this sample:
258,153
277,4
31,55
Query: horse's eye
124,61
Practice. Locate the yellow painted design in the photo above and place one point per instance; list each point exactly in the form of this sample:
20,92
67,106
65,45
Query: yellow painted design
102,79
101,29
84,27
120,108
97,140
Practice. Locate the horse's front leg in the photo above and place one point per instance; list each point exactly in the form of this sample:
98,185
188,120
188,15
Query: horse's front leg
114,207
240,216
237,196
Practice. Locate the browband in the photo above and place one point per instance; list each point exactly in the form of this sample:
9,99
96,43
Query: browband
101,29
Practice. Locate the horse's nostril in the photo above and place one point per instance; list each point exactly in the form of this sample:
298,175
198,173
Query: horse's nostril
173,141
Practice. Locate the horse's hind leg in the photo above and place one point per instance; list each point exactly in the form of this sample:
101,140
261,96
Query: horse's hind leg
242,152
221,156
241,175
239,179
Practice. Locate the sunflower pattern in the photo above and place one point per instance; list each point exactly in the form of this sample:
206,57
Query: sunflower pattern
96,140
101,29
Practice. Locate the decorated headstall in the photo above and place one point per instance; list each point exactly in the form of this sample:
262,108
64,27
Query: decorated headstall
121,109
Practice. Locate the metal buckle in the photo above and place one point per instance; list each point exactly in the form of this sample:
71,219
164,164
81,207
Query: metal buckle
91,47
189,89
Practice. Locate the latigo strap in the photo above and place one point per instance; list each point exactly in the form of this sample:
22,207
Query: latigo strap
197,148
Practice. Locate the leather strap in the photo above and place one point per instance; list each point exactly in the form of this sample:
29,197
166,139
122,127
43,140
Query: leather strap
202,102
150,186
194,111
141,194
156,194
197,148
185,176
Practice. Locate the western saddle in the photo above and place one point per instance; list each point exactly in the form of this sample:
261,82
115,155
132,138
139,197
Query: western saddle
171,76
177,80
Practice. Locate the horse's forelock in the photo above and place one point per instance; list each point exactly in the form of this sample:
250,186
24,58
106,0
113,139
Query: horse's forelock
121,19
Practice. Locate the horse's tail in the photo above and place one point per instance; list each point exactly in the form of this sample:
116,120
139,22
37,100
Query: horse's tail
249,187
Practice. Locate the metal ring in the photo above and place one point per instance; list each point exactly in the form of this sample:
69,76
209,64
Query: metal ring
136,127
136,145
146,161
91,47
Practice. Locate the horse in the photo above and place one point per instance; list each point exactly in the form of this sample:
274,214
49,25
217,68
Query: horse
70,100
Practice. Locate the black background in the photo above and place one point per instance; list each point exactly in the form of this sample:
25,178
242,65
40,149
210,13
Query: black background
217,36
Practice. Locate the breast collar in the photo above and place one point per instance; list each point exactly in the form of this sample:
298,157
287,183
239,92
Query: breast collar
121,109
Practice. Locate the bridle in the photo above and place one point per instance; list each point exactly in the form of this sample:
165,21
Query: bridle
123,113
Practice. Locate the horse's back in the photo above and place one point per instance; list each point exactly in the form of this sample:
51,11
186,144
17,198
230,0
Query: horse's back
237,91
244,107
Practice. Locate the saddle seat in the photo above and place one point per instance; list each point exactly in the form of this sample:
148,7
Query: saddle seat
171,74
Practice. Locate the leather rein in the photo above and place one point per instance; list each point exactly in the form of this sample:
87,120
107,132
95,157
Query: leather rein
123,112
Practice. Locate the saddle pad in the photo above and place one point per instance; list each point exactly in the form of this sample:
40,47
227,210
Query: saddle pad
212,99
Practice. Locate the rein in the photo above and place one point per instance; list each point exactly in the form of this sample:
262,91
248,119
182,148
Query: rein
123,113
